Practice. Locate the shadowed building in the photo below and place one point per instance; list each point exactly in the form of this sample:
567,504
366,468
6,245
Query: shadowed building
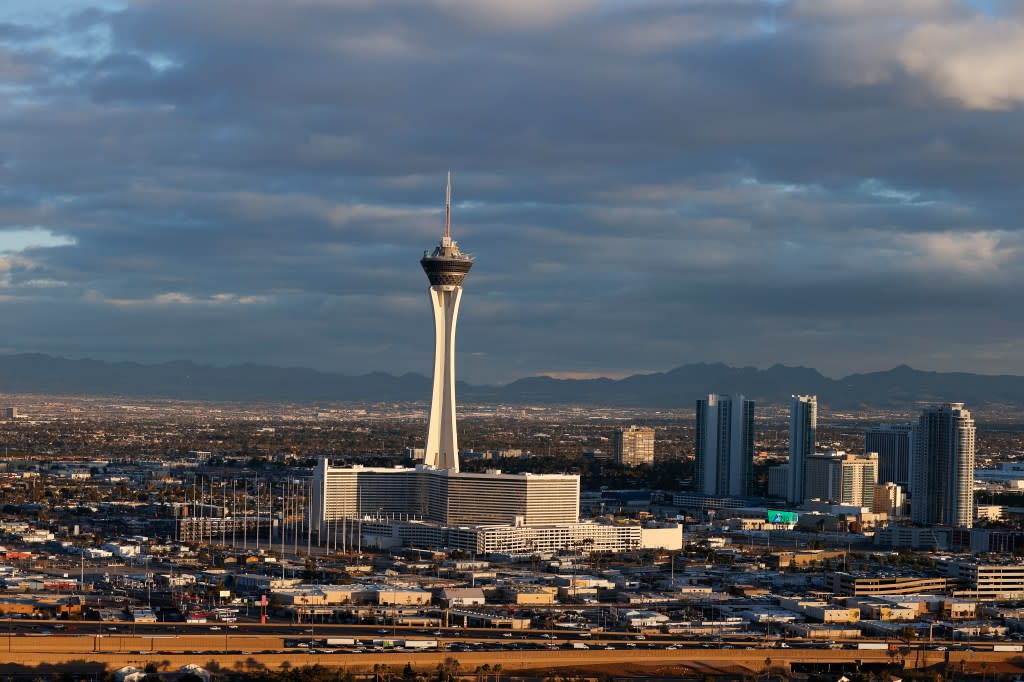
893,443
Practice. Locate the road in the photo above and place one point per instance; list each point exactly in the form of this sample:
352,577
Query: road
455,636
253,651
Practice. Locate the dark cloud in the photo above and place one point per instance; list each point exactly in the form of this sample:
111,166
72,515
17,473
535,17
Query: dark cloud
643,184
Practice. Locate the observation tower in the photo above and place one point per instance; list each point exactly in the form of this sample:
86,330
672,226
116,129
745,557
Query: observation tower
446,267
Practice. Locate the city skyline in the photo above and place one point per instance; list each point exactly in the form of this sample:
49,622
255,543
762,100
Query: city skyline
173,181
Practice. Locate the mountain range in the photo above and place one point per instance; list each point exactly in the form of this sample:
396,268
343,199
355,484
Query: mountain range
898,388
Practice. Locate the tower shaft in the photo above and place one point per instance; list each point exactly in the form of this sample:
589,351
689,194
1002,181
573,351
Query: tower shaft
442,445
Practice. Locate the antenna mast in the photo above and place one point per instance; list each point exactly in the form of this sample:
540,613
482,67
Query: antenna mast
446,240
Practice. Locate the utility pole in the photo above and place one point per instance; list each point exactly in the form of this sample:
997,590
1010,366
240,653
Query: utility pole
257,529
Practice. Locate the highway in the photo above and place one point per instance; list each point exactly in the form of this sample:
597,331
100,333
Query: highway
255,651
173,636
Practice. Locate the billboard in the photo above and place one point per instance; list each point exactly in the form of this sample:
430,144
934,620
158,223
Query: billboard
776,516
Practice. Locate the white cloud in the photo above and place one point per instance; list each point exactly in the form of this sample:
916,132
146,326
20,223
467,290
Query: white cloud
967,253
980,63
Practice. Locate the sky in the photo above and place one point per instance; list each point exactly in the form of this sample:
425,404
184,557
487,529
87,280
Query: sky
643,183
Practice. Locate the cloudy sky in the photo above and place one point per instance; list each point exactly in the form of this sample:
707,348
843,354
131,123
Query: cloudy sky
643,183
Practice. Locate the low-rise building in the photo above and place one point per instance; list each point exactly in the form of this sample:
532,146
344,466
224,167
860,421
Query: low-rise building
462,596
862,585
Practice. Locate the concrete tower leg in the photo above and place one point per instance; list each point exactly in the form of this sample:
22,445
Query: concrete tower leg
442,448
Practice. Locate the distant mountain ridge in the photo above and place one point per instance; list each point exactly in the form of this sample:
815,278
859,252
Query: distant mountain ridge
900,387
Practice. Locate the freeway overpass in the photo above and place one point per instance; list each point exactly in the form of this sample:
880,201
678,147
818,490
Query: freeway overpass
256,651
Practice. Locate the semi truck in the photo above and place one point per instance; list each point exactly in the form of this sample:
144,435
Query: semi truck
876,646
1008,647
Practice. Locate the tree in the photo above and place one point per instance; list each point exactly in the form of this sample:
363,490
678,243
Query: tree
448,670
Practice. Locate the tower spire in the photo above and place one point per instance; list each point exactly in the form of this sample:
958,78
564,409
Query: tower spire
446,240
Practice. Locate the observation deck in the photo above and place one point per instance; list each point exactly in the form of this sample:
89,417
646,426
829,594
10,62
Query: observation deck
447,265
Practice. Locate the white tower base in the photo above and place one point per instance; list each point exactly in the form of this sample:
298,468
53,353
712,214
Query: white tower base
442,447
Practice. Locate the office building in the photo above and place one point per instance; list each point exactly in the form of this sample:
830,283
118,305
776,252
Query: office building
995,580
725,445
841,478
943,467
888,499
803,432
634,446
855,585
893,443
446,268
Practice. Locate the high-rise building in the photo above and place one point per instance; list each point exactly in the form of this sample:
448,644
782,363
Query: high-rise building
943,467
888,499
893,443
634,446
841,477
446,267
803,433
725,445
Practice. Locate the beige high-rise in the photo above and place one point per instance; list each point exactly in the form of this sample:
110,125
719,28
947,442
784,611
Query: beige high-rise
634,446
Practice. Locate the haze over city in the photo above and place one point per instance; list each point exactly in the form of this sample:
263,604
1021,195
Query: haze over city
643,184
